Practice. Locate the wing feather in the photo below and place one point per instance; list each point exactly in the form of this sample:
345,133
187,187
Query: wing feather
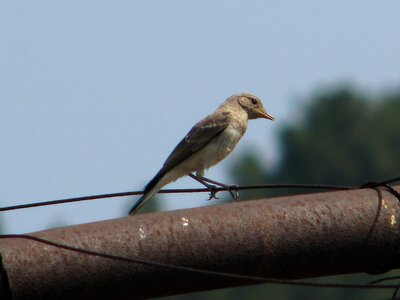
197,138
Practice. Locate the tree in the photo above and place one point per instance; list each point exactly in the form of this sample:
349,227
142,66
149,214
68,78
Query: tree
345,138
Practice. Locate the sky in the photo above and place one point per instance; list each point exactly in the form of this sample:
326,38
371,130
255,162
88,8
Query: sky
96,94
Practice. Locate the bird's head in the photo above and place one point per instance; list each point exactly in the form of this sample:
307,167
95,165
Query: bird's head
253,106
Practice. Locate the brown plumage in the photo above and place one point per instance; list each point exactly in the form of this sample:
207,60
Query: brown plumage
207,143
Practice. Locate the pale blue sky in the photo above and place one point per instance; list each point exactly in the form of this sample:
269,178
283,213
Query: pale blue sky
95,94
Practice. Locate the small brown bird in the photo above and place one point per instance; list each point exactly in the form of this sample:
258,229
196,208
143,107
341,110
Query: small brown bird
206,144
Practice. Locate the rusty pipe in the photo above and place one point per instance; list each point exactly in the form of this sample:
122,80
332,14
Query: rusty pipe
285,237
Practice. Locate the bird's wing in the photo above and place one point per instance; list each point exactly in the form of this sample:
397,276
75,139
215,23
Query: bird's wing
198,137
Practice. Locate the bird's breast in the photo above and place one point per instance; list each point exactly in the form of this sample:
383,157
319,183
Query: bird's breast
215,151
219,147
229,138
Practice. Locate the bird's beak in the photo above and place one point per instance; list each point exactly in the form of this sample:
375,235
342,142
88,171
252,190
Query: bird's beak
265,115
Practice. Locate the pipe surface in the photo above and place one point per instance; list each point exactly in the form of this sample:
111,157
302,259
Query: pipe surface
285,237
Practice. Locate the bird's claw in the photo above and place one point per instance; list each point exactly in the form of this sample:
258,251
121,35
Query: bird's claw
213,192
233,191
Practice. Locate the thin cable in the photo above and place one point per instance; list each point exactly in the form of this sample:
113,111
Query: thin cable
194,270
67,200
392,180
397,277
204,190
172,191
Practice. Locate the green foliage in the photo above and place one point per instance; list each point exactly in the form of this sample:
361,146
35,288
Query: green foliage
343,139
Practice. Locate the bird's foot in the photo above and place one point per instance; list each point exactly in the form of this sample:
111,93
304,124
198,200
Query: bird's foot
213,187
213,192
233,190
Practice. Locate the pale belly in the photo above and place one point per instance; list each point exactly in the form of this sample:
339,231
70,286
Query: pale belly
214,152
205,158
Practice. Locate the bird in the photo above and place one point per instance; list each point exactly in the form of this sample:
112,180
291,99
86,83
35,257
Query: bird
207,143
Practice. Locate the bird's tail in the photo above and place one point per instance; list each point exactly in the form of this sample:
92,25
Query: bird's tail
151,188
142,201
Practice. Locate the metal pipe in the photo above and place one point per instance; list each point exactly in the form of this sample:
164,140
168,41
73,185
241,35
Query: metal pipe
285,237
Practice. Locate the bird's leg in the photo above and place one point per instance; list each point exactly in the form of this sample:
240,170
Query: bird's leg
231,188
210,187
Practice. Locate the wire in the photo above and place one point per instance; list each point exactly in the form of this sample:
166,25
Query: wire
199,190
200,271
174,191
392,180
384,279
205,190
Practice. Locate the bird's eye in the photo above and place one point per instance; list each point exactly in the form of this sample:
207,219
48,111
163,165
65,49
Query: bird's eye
254,101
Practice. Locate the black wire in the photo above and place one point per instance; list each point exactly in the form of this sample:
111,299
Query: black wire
198,190
67,200
384,279
174,191
200,271
392,180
